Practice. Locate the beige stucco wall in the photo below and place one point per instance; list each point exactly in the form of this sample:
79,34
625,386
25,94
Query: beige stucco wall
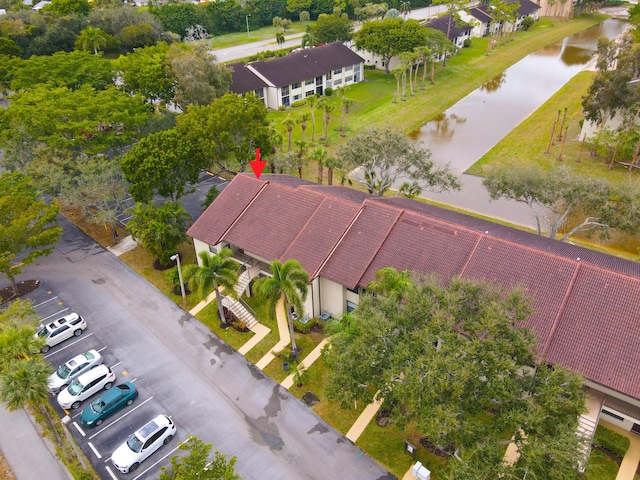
332,297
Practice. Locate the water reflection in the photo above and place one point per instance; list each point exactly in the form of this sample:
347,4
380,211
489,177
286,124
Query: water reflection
462,134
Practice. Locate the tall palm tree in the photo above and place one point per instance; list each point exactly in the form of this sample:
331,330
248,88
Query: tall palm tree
290,282
327,118
320,155
397,73
346,104
391,283
25,385
312,100
92,38
289,123
280,38
216,272
302,120
331,163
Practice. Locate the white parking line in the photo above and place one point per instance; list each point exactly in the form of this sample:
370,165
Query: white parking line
115,365
118,419
58,314
95,450
69,345
111,473
102,349
79,429
151,466
46,301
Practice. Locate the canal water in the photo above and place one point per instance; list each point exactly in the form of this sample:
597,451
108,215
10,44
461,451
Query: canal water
470,128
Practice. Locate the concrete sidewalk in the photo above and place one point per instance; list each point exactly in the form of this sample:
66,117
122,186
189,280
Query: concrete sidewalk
19,435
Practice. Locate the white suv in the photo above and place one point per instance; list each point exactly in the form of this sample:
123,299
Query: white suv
142,443
58,331
86,385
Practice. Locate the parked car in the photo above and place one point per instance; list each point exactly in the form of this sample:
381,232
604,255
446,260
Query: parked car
108,403
142,443
59,330
72,369
86,385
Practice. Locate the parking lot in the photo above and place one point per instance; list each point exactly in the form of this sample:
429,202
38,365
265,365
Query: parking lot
99,442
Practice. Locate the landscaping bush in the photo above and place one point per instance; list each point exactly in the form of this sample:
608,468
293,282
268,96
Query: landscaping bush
328,92
299,103
467,42
369,67
282,108
611,441
527,23
300,327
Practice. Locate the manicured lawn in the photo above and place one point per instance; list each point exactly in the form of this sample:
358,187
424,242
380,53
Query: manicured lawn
265,318
209,317
600,467
305,342
257,35
140,261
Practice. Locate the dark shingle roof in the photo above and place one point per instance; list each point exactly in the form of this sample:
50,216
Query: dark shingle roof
244,80
306,64
480,14
585,303
441,24
528,7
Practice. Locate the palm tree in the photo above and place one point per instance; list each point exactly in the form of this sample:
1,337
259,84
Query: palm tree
304,17
289,123
320,155
327,109
301,155
320,105
391,283
312,105
302,120
397,73
331,163
25,385
92,38
216,272
346,104
280,38
289,281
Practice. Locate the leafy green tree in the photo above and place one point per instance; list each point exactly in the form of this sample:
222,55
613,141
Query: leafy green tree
146,72
197,465
280,38
229,16
216,272
320,155
386,154
137,36
332,28
9,47
390,37
228,131
559,198
71,70
29,226
91,39
17,328
445,357
199,77
438,44
117,22
65,7
298,6
161,163
98,187
289,282
74,120
176,17
159,229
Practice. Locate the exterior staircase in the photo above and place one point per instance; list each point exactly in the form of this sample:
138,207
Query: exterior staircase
239,308
587,423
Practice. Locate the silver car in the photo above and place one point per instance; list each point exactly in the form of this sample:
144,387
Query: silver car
59,330
72,369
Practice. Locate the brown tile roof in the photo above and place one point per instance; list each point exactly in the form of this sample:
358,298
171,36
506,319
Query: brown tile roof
307,64
586,309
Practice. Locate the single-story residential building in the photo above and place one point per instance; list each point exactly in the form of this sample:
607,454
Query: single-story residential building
300,74
586,309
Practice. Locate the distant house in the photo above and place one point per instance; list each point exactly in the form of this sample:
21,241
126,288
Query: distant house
300,74
585,303
458,31
41,5
484,23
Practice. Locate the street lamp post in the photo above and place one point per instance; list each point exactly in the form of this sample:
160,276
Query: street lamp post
176,258
246,19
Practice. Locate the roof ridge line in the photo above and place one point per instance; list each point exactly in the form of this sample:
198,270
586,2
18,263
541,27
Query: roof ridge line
255,197
470,256
560,312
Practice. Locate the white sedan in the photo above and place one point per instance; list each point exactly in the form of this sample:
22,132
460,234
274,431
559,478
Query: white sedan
86,385
72,369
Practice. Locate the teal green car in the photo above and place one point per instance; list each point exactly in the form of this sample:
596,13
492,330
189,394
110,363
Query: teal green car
108,403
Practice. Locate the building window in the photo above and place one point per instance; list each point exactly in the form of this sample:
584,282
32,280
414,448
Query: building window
295,85
309,93
337,82
348,67
285,91
348,79
259,93
337,71
285,101
309,82
351,306
318,81
354,290
611,414
297,97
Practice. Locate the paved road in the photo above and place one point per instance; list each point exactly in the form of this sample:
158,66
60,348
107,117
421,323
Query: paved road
248,49
209,389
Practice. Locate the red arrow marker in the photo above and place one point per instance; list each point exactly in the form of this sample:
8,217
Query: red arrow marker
258,165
